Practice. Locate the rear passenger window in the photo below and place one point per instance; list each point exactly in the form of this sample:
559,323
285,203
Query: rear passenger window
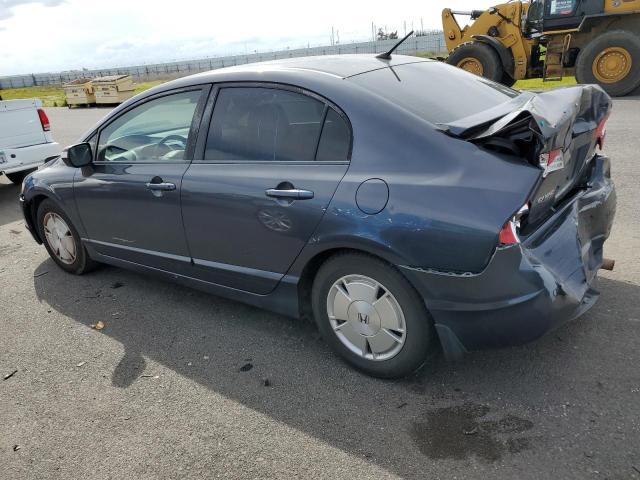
335,140
264,124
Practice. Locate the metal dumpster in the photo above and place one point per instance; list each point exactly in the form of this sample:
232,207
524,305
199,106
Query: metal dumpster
113,89
79,92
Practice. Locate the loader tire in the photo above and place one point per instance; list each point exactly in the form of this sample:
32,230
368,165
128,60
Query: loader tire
478,58
612,60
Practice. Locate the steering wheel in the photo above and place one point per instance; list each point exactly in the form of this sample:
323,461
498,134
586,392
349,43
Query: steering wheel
171,138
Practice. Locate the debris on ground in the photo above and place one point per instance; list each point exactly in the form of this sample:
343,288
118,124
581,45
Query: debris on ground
146,375
402,405
473,431
16,448
9,375
117,285
39,274
98,326
246,367
15,232
266,382
80,364
206,357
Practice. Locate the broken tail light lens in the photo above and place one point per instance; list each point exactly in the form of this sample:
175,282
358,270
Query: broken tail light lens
509,233
601,132
44,120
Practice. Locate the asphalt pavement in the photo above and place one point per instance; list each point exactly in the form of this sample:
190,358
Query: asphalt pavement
180,384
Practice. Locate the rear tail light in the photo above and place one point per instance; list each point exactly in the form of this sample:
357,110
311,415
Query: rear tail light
509,233
44,120
551,161
601,132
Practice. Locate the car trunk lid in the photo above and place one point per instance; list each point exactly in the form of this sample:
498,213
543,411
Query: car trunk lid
557,131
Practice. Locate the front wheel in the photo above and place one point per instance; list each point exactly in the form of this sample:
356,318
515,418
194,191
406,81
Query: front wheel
372,316
61,239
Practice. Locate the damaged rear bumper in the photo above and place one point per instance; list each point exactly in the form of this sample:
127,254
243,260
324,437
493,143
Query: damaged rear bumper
529,288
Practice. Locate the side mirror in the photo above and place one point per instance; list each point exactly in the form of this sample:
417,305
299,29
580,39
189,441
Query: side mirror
78,156
493,11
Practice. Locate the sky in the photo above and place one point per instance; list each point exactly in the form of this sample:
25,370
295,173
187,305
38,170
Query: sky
56,35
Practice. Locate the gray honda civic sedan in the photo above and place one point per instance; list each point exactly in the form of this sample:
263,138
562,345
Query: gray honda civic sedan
405,205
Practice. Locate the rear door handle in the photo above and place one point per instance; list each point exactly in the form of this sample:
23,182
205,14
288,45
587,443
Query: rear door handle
163,186
292,194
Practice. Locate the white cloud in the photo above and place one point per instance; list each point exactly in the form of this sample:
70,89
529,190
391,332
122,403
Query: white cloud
6,6
53,35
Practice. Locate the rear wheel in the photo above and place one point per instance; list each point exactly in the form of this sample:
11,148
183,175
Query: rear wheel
372,316
612,60
479,59
17,177
61,239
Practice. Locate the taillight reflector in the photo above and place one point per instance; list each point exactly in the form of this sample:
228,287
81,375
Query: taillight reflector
44,120
601,132
508,234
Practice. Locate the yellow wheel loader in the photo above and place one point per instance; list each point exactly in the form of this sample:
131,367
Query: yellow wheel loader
598,41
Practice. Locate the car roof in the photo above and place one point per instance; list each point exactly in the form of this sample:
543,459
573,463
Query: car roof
314,73
338,66
343,66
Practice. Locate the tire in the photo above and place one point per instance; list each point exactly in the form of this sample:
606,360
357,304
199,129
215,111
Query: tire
482,53
80,262
507,80
18,177
622,40
392,352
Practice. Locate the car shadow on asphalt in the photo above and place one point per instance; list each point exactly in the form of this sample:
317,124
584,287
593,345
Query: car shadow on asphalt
488,407
9,204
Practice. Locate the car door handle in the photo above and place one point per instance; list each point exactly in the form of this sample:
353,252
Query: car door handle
163,186
292,193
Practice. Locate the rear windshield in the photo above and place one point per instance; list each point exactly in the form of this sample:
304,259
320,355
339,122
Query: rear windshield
435,91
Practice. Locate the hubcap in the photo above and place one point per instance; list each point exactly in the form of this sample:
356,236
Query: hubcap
366,317
612,65
472,65
59,238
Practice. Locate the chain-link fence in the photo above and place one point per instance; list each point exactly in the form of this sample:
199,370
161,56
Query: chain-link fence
432,42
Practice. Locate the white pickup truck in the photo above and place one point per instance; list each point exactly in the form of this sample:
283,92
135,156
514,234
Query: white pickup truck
25,138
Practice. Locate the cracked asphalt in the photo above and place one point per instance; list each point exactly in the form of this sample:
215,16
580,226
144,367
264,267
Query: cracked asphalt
180,384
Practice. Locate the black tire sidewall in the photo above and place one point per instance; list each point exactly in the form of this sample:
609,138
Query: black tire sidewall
507,80
420,334
488,57
615,38
80,265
